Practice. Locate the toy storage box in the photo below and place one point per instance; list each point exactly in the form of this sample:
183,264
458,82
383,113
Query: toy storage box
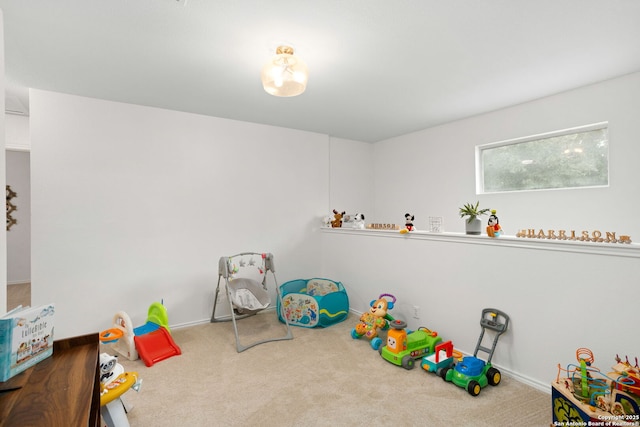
313,302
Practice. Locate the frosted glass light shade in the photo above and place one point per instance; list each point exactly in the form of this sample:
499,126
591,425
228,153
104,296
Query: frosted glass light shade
285,74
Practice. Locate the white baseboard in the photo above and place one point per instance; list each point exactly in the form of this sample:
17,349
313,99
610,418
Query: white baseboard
223,318
544,387
18,282
188,324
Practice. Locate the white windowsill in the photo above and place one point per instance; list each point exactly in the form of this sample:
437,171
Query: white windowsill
612,249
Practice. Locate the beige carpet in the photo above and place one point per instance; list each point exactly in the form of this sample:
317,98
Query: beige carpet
322,377
18,294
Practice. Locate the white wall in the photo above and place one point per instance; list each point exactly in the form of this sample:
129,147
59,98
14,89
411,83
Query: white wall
131,205
18,144
432,172
558,301
3,233
351,177
17,132
19,236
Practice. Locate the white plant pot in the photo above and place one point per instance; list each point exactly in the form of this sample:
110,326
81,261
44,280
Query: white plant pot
474,227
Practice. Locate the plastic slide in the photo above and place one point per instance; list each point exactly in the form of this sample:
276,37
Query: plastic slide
156,317
156,346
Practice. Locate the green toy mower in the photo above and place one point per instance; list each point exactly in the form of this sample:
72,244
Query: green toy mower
472,373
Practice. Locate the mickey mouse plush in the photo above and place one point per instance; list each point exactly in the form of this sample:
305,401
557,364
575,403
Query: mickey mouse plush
408,223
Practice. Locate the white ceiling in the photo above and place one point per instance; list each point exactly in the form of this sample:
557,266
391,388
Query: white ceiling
378,68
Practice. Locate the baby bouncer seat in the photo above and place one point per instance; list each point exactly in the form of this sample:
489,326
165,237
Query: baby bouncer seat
245,278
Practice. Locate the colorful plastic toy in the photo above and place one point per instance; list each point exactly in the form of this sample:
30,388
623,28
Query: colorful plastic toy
125,339
472,373
120,336
375,320
156,346
403,348
588,396
114,383
442,358
156,317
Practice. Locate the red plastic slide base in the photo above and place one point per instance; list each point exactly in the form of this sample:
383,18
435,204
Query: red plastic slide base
156,346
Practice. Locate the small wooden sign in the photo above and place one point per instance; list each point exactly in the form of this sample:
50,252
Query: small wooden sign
383,227
582,236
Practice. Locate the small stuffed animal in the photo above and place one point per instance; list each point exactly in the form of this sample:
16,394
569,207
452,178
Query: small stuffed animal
375,319
493,226
337,219
358,221
107,365
408,223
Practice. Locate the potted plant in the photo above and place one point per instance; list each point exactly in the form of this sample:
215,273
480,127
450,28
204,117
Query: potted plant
473,224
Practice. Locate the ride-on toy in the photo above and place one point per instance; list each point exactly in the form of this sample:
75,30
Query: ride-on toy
403,347
442,358
375,320
472,373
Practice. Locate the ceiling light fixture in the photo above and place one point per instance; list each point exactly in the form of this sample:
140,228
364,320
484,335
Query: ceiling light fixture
285,74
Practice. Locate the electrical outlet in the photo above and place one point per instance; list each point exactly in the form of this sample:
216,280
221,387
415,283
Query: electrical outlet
416,312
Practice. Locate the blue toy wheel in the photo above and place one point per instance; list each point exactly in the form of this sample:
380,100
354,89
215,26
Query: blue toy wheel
376,343
354,334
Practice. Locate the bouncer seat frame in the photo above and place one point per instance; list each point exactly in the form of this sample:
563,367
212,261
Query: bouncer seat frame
250,278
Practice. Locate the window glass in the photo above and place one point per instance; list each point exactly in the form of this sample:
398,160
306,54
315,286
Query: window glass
573,158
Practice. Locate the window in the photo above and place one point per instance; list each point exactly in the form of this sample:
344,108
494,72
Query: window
572,158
